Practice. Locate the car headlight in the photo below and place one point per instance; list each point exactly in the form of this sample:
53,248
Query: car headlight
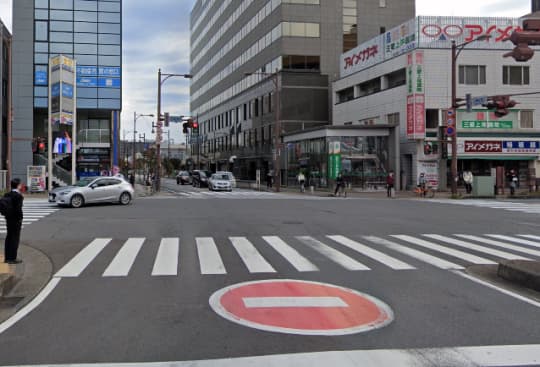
64,193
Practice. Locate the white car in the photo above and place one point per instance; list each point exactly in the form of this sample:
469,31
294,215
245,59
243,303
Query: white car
231,177
220,182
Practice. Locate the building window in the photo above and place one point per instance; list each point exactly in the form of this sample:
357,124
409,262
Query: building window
397,78
41,30
345,95
382,30
301,62
350,29
432,118
472,74
516,75
296,29
526,119
393,118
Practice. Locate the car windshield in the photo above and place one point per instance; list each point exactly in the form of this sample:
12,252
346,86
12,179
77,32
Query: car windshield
84,182
220,177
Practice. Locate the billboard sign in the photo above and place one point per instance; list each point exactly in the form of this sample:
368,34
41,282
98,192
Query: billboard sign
36,176
62,90
365,55
400,40
416,104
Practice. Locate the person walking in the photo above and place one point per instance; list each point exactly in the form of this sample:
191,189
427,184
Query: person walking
390,184
340,184
132,179
269,179
514,182
468,179
422,183
301,181
14,219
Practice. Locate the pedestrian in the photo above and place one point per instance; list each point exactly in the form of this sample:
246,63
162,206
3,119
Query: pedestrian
14,219
468,180
301,181
340,184
390,184
132,179
422,183
269,179
514,182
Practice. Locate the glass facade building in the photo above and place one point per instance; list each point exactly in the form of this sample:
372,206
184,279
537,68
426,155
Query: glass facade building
89,31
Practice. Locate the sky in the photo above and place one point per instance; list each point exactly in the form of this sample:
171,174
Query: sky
156,35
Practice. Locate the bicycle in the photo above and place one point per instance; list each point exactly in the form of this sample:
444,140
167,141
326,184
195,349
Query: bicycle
425,192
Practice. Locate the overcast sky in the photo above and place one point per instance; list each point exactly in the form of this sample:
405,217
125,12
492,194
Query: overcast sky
156,34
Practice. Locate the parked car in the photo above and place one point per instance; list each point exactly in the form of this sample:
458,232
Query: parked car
93,190
231,177
220,182
183,177
199,178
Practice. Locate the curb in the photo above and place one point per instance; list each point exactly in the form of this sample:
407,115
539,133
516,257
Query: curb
523,272
7,282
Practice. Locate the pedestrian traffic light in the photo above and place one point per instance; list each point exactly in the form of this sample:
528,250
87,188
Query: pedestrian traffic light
501,105
530,36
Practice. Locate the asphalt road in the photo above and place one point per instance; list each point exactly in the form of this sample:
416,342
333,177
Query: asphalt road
141,317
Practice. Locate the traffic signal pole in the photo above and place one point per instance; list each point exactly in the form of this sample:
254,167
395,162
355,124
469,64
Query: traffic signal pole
454,163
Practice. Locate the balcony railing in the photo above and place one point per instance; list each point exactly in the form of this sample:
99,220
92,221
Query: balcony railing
94,136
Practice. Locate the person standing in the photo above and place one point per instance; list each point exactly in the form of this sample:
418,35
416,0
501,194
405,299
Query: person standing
301,181
514,182
132,179
468,179
269,179
14,219
340,183
422,183
389,184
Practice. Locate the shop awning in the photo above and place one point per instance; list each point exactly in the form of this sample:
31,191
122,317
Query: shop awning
498,157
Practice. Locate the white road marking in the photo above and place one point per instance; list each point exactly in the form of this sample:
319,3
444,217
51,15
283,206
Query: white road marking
419,255
500,244
487,356
387,260
209,259
472,246
253,260
514,239
299,262
530,236
445,250
286,302
76,266
333,254
124,259
166,263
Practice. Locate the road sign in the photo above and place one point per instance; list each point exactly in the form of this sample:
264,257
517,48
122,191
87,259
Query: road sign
300,307
176,119
450,130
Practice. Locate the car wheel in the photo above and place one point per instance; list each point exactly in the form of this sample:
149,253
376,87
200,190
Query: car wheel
183,183
76,201
125,198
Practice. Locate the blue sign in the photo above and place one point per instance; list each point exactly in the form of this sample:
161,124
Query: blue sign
87,71
110,71
67,90
521,145
40,77
109,82
55,90
87,81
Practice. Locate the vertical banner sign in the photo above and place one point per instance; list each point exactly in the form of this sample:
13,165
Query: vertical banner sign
416,100
334,159
62,109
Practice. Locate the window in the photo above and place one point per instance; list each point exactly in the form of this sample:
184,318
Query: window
296,29
472,74
301,62
41,31
345,95
432,118
526,119
516,75
350,29
382,30
397,78
393,118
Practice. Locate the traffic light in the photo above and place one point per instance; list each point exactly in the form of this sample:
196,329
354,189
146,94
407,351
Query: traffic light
195,127
530,36
167,119
185,127
501,105
190,124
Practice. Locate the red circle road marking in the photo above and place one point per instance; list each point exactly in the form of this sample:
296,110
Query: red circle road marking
300,307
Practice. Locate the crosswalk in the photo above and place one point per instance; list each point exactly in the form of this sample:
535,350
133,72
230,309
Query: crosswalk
268,254
512,206
33,211
241,194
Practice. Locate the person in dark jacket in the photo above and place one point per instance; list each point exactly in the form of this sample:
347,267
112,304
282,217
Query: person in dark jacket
14,219
340,184
389,184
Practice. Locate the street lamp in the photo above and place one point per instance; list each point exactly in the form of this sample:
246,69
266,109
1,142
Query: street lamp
162,78
277,126
456,51
135,118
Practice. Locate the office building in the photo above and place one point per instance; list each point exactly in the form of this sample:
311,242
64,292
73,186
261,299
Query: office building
90,32
535,5
246,55
5,72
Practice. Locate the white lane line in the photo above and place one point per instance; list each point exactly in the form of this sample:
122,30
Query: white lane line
339,258
299,262
166,263
499,289
29,307
209,259
514,239
445,250
124,259
478,248
387,260
530,236
419,255
487,356
253,260
505,245
76,266
286,302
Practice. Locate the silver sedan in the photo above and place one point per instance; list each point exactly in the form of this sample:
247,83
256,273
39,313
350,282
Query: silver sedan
94,190
220,182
